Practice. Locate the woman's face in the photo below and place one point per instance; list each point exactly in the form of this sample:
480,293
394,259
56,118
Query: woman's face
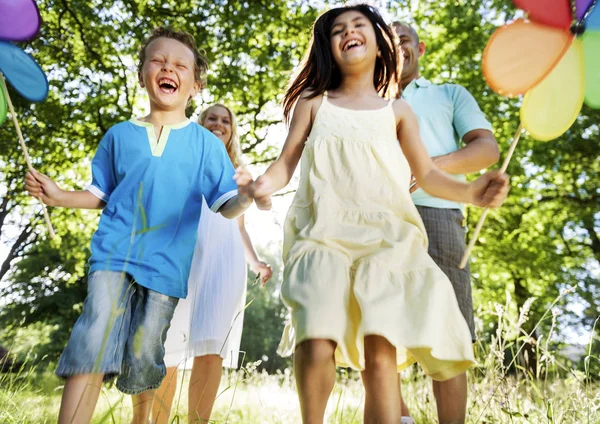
218,122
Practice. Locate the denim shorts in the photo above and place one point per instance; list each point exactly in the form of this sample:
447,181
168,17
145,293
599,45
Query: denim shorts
121,332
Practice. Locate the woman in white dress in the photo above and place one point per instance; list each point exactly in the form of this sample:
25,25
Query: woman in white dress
207,325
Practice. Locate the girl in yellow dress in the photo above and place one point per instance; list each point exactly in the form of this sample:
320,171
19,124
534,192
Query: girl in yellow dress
362,290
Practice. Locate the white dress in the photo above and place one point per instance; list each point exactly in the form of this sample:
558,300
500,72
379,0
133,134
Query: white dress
210,320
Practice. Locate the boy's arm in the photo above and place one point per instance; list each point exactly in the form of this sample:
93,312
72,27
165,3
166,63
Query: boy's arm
44,188
238,204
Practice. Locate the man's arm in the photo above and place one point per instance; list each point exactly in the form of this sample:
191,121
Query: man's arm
480,151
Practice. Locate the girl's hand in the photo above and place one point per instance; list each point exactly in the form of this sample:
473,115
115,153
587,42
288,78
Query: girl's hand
43,187
262,190
264,271
489,190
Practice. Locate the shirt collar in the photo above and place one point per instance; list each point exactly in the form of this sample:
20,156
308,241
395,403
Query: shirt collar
420,82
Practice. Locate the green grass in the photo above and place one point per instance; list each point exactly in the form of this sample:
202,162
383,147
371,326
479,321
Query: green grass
501,390
261,398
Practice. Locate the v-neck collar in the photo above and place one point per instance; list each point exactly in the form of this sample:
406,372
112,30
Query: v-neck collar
157,147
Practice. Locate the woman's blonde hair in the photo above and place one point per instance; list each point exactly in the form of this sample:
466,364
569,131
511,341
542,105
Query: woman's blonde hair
233,145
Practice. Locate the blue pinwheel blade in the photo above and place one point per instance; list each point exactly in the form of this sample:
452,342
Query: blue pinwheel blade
23,72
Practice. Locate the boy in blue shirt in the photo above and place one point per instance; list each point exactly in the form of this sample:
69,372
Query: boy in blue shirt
149,176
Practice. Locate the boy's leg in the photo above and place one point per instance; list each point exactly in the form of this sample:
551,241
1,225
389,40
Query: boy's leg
79,398
380,378
204,385
314,368
163,399
143,366
95,348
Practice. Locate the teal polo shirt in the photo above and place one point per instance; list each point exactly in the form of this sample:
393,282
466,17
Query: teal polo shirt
446,112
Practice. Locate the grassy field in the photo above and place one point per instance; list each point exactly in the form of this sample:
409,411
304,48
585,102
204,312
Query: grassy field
252,397
539,385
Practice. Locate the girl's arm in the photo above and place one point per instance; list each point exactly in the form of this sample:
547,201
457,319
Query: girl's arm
256,265
44,188
280,172
489,190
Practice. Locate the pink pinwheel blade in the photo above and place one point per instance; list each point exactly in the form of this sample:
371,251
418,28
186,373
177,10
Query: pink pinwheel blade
581,6
19,20
554,13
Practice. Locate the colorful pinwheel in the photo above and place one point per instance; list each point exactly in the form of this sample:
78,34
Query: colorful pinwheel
19,21
553,58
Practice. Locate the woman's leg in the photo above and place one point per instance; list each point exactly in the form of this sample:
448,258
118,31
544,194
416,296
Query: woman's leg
204,385
314,368
380,377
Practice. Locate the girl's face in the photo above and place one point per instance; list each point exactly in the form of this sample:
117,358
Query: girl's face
218,122
352,39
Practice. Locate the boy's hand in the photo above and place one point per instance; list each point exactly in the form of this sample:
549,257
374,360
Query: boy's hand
41,186
244,181
489,190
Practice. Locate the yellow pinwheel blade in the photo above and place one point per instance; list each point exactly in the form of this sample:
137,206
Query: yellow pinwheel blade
551,107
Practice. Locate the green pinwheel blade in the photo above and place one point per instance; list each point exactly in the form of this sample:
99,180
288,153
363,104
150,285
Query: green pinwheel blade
3,105
591,58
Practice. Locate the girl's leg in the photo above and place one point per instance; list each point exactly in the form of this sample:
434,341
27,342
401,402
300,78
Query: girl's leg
314,368
380,377
79,398
204,385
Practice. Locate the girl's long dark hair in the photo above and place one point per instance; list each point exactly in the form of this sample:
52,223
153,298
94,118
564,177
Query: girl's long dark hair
319,72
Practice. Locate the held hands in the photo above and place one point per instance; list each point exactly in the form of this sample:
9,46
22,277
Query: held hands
263,271
489,190
42,187
258,190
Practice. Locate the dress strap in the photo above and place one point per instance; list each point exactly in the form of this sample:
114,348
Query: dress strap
325,94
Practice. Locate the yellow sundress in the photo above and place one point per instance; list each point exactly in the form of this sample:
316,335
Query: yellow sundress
355,251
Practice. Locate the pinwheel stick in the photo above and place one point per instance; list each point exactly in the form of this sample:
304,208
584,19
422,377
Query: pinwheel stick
24,148
511,150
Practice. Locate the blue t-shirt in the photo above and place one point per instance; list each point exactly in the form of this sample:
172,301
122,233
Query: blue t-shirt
153,193
446,112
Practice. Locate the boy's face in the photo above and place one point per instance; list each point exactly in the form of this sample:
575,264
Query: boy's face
168,74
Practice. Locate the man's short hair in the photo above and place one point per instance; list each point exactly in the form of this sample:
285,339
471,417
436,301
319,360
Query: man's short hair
409,27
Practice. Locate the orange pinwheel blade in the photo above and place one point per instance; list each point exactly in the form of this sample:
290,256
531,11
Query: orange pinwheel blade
551,107
519,55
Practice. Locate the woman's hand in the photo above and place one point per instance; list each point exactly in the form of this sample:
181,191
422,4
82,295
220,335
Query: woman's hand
264,271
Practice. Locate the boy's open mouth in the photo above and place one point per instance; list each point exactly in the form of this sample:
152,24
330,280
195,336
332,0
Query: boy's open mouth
167,85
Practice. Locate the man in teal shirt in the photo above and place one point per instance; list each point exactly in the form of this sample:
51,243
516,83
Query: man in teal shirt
460,141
